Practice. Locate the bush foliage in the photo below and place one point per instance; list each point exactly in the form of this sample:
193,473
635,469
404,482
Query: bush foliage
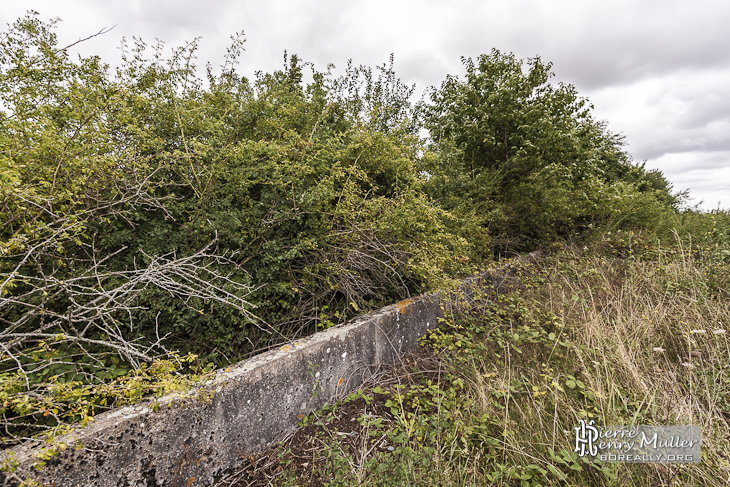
149,212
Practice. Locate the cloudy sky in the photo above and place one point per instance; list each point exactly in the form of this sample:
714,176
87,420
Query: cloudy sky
657,70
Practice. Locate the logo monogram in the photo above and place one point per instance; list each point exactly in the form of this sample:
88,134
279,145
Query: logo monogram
585,435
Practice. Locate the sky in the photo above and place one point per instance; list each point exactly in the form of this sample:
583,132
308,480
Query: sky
658,71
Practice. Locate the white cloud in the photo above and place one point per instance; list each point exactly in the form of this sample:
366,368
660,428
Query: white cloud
706,174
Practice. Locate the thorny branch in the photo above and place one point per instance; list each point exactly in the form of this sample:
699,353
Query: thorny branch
361,263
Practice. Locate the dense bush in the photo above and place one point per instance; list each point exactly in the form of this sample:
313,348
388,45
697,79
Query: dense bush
151,211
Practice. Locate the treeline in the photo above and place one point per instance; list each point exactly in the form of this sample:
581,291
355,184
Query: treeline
148,212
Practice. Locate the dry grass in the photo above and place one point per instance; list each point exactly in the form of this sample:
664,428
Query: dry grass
624,340
644,342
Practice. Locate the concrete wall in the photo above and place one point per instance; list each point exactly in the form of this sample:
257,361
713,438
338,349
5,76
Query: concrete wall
192,442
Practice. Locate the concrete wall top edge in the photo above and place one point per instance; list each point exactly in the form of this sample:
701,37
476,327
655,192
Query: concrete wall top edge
276,382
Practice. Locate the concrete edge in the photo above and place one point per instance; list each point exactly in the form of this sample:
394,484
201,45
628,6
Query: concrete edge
191,441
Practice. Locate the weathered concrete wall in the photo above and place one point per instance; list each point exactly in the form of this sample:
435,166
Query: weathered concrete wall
255,403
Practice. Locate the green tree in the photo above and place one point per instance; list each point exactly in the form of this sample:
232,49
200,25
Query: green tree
76,160
524,157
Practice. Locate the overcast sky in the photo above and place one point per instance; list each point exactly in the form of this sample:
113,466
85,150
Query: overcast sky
657,70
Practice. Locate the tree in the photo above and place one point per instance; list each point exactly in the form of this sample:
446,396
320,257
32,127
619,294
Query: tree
525,158
75,162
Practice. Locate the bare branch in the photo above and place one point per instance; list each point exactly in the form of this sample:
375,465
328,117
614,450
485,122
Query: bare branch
103,31
97,298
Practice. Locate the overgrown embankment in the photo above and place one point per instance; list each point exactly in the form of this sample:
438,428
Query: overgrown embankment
627,332
156,223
